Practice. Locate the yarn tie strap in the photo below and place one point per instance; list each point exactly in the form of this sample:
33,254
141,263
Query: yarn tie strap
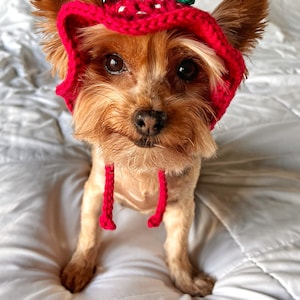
106,218
155,220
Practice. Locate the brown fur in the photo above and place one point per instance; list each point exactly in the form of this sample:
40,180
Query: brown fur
103,117
243,22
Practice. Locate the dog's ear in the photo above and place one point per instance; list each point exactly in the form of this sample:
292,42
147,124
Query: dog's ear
242,21
47,11
50,8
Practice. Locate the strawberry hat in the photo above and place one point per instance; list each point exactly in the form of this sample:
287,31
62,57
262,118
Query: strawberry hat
140,17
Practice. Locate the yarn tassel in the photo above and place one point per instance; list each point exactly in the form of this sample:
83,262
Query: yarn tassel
106,218
155,220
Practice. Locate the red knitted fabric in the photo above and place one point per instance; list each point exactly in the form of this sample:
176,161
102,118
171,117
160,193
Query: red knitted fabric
136,17
155,220
105,220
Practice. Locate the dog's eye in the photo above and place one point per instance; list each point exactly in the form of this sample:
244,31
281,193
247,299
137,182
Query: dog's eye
114,64
187,70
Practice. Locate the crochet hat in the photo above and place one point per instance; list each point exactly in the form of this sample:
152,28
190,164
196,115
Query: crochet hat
140,17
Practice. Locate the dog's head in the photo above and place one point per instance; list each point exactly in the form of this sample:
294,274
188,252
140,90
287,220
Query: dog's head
144,99
149,100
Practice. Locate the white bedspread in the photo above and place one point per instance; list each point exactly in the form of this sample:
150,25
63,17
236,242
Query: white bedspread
247,226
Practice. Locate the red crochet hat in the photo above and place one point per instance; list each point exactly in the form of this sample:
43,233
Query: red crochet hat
140,17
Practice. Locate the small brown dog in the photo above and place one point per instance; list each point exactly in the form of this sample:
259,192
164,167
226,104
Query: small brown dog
144,101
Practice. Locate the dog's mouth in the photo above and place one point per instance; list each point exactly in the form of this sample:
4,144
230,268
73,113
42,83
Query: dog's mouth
145,143
142,142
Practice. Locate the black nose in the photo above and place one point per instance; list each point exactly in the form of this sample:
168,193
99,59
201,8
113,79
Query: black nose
149,122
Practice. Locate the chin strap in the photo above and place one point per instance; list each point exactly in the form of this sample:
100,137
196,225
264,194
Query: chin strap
106,218
155,220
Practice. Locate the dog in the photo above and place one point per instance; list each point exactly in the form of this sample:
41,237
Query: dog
146,89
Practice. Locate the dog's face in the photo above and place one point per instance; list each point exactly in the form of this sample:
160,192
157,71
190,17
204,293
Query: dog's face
145,99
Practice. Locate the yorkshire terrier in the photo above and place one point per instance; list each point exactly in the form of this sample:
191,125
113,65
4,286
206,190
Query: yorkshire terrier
146,82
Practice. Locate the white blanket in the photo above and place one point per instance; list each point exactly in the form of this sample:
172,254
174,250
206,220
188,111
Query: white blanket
246,231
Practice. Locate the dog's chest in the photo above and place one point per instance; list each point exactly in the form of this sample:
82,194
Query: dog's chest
137,191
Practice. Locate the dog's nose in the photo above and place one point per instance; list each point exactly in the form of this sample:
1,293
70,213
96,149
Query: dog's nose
149,122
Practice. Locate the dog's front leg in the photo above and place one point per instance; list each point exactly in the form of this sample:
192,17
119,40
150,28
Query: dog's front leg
178,218
81,267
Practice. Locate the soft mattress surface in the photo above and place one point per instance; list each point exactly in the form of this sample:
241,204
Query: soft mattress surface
246,231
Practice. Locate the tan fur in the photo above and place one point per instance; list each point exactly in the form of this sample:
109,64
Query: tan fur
243,21
103,117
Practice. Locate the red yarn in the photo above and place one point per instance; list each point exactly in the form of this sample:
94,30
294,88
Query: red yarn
105,219
135,17
155,220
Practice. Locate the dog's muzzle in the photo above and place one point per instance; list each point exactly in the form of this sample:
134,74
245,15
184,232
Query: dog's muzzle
149,123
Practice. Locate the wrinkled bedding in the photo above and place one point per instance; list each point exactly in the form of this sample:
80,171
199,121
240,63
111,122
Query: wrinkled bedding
246,231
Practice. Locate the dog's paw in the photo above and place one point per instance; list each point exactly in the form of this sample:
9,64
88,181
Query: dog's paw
204,284
201,285
75,276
